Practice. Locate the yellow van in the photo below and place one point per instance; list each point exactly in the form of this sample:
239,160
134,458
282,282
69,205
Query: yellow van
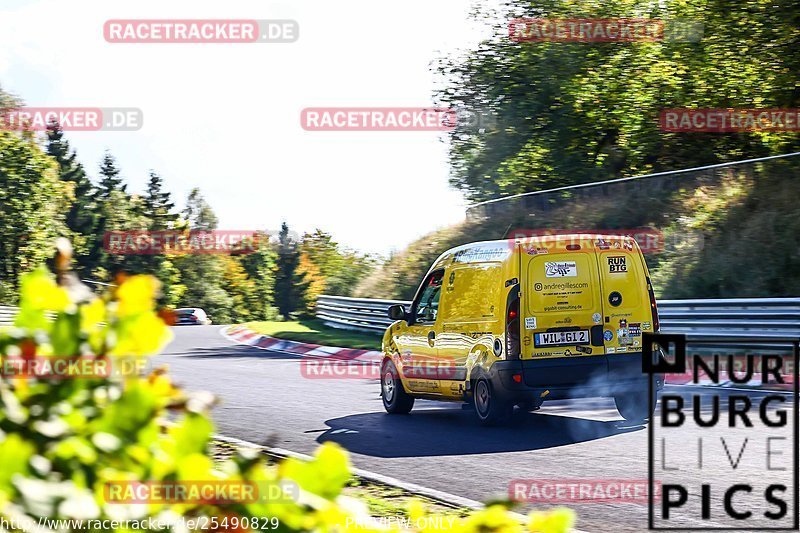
501,324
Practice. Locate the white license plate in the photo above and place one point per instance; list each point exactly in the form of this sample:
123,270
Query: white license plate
560,338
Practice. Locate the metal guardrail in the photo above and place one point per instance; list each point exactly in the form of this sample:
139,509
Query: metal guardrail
365,314
769,319
731,319
7,315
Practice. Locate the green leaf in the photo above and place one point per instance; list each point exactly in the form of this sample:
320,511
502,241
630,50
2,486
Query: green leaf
191,434
325,475
14,456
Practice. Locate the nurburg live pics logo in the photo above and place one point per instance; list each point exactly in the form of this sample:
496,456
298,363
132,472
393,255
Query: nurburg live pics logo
741,474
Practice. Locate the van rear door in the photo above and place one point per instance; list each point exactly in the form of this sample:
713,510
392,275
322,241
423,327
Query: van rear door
561,310
626,302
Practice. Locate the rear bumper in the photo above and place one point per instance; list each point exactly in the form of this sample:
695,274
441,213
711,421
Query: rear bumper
572,377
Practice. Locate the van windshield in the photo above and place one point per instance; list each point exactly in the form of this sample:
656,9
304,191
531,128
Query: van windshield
428,305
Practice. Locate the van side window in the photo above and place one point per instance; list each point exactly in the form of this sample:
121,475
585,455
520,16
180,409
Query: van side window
427,307
472,293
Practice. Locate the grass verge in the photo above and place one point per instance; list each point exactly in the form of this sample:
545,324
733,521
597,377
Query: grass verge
314,331
381,500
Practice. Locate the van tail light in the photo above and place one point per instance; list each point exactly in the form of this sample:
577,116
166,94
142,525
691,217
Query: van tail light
653,307
512,329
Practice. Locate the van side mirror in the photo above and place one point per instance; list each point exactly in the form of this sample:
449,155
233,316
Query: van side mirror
397,312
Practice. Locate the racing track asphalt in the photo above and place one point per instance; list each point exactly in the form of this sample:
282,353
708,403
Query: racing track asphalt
266,400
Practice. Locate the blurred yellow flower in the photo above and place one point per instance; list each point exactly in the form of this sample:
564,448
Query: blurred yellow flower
137,295
38,290
555,521
145,334
92,314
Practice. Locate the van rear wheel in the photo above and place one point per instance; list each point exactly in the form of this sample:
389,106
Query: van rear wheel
489,408
396,400
634,406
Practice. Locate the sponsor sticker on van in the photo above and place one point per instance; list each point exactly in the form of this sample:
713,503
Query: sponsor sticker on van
617,263
560,269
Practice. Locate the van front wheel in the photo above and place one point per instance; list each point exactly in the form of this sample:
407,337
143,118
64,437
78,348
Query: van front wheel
489,408
634,406
395,399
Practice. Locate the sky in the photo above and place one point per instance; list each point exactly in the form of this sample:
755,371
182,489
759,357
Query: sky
226,117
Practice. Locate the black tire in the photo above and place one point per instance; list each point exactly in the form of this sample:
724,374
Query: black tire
396,400
490,409
634,406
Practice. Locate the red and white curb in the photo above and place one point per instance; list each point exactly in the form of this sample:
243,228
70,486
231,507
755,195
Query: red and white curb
319,362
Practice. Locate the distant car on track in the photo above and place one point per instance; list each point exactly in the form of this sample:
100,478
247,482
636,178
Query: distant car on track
191,316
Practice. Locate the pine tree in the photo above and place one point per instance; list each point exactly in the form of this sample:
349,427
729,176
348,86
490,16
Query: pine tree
198,212
81,216
154,209
288,283
110,180
157,204
112,210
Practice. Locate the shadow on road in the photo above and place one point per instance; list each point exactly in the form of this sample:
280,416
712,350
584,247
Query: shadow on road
435,432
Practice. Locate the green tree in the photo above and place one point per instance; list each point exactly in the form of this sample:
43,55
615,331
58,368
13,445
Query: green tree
115,211
354,268
289,286
199,213
81,215
204,278
242,290
260,266
156,210
564,113
32,205
327,268
110,181
203,275
157,205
